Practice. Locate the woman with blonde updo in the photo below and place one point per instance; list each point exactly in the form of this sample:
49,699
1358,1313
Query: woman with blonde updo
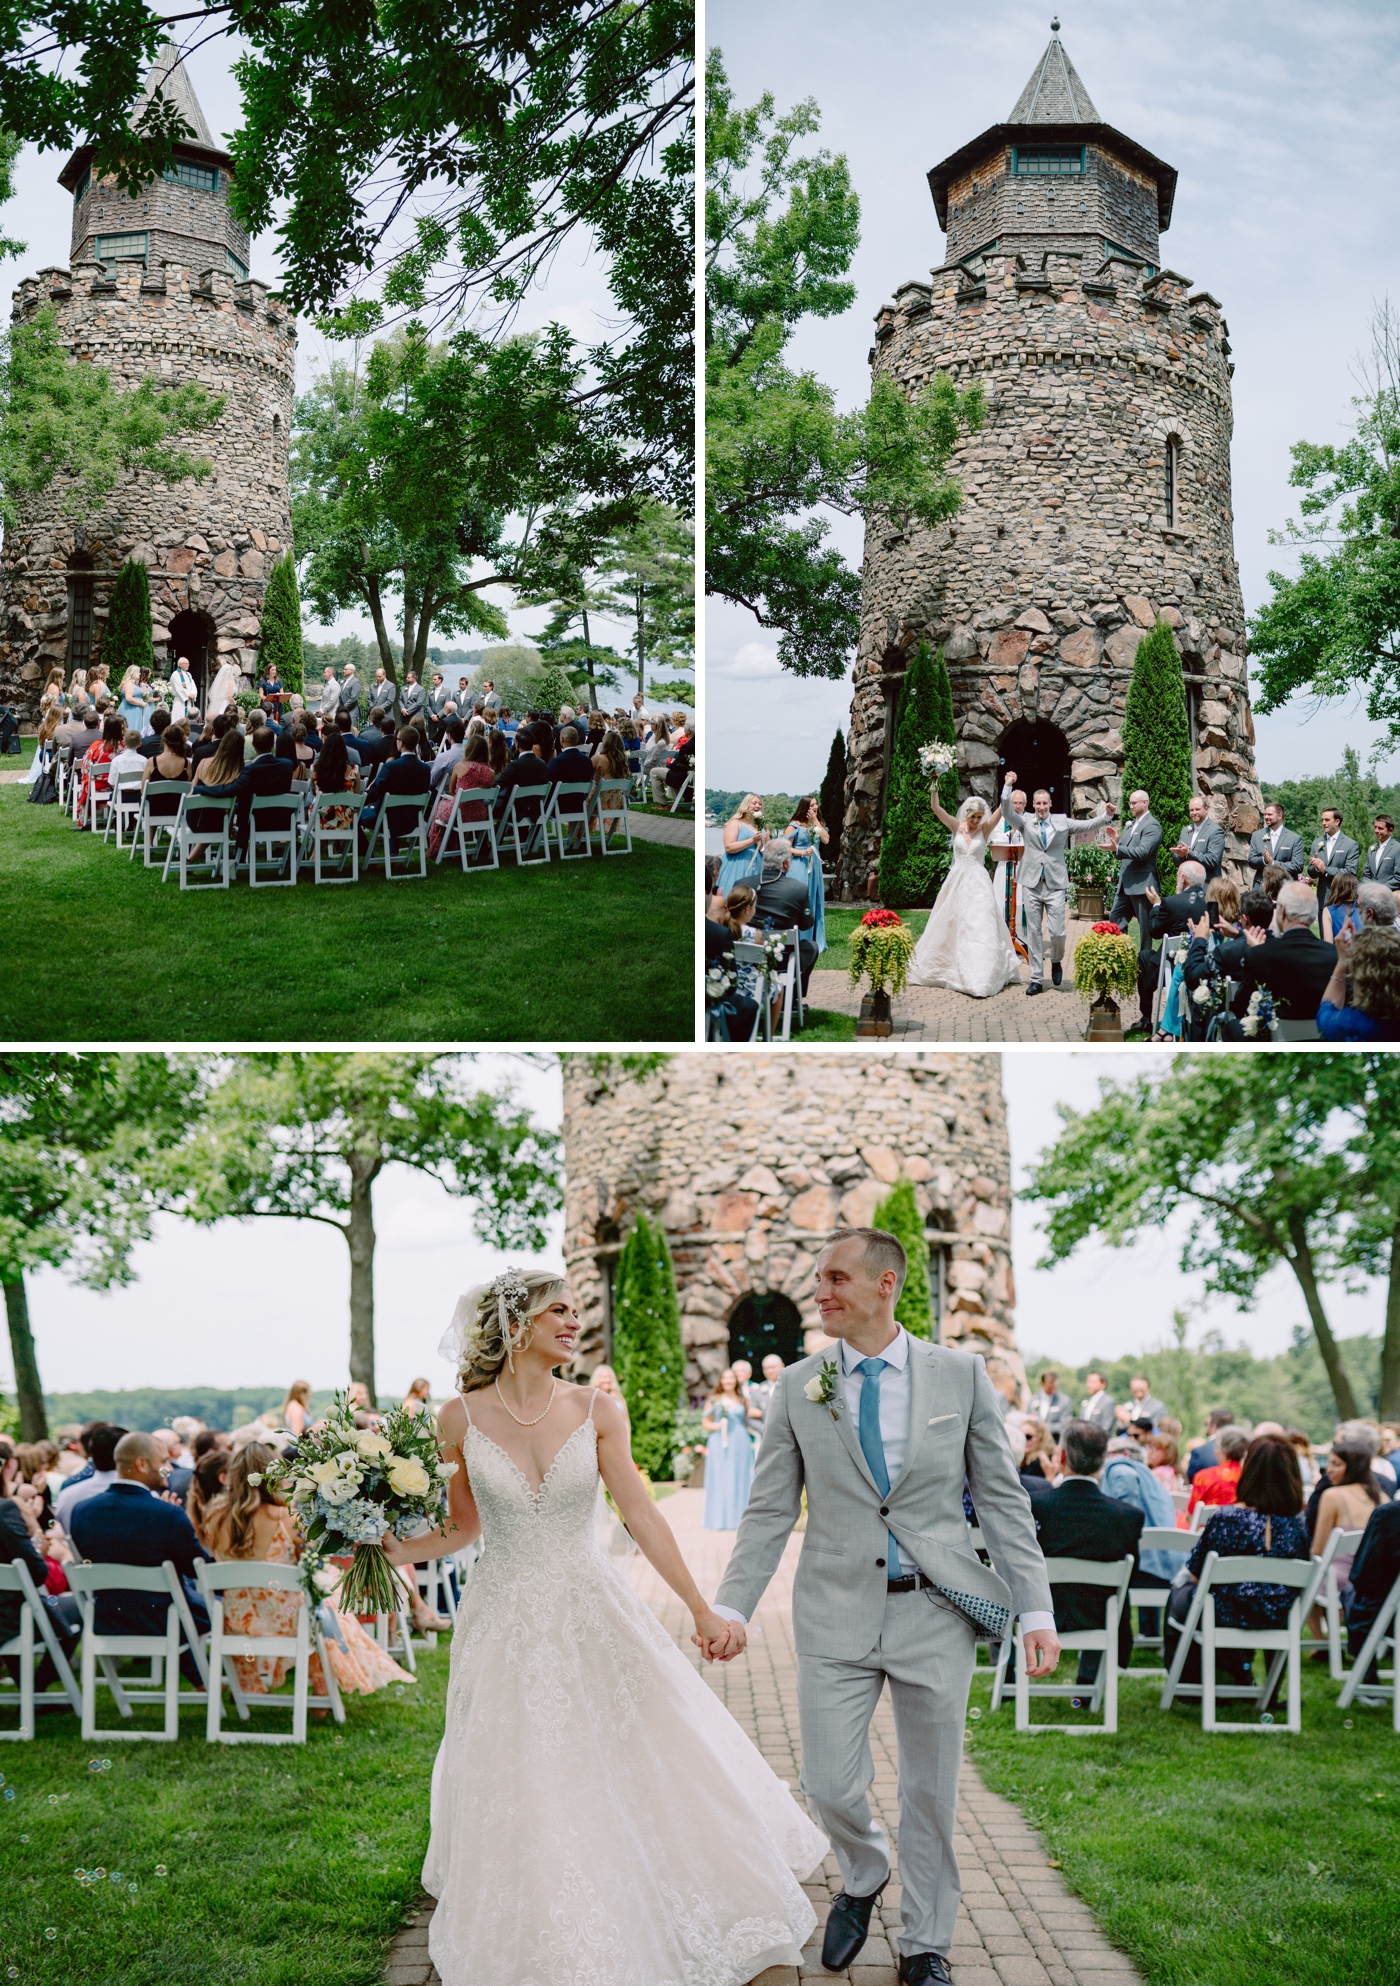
572,1717
966,945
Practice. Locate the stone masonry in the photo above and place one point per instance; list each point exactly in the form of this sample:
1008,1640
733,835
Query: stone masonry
208,545
1096,495
751,1165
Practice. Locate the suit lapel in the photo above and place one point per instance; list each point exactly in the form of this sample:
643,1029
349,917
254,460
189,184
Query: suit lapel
845,1427
921,1392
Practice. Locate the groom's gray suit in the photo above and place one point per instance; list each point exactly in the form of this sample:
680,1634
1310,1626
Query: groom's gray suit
1044,878
852,1633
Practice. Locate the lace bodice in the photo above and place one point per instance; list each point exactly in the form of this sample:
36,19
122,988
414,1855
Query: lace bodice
969,848
525,1530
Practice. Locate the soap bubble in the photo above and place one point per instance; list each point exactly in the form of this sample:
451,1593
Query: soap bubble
94,1765
160,1868
106,1765
99,1874
50,1932
53,1799
974,1713
1076,1703
115,1876
25,1837
132,1888
1346,1723
9,1792
1267,1718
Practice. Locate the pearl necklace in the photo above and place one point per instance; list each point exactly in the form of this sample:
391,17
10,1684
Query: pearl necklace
553,1389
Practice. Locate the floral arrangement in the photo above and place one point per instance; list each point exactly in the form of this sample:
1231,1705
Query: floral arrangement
349,1487
1259,1017
881,947
936,759
1105,962
690,1442
718,983
1094,866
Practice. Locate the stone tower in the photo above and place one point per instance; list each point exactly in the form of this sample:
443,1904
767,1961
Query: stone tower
1096,495
750,1165
158,286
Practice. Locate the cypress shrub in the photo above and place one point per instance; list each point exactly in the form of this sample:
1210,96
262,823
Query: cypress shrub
898,1214
128,636
555,687
915,847
833,798
1157,743
280,635
647,1352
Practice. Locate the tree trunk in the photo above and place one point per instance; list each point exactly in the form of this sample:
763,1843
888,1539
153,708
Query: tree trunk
361,1238
641,641
381,631
33,1422
425,627
1388,1407
588,663
1302,1267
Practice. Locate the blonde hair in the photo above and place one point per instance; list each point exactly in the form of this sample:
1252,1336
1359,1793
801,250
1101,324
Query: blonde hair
228,1517
492,1322
300,1391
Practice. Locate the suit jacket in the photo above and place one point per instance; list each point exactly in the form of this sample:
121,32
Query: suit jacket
956,1435
439,699
529,773
1205,844
411,700
1047,864
784,901
1054,1410
1345,861
1171,916
404,774
330,698
350,693
1099,1410
1295,966
1289,855
373,746
383,696
1383,863
1078,1521
127,1525
1201,1457
264,774
571,767
1138,843
16,1543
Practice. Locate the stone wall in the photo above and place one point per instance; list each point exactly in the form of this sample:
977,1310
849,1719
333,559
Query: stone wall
1062,554
751,1164
209,545
183,222
1027,213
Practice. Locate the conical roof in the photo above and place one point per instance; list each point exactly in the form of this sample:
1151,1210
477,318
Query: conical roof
168,79
1054,94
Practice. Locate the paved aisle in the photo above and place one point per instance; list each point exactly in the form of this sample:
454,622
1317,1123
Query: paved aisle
1018,1926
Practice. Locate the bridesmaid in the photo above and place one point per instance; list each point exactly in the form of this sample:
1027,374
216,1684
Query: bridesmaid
808,833
743,846
728,1455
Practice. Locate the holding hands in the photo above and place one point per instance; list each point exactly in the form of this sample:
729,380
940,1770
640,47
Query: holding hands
717,1639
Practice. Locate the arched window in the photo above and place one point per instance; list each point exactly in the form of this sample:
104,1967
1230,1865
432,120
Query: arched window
938,1234
607,1238
79,613
762,1324
1171,472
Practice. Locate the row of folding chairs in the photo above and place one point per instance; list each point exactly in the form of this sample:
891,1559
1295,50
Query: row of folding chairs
1174,949
781,990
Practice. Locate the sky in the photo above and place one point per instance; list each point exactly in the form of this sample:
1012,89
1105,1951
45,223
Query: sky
41,215
1278,120
259,1303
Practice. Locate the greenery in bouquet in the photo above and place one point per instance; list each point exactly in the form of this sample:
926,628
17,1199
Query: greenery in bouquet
1105,962
881,947
1259,1016
349,1487
1093,866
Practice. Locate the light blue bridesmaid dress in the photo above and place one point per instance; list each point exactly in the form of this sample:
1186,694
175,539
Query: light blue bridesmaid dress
816,885
746,866
728,1469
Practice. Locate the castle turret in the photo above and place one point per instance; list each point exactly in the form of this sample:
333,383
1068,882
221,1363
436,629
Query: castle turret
158,287
1096,495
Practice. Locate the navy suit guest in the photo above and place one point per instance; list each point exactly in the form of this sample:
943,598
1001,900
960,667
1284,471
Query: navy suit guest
404,774
570,767
1204,1455
376,743
1078,1521
1374,1571
262,774
132,1524
530,770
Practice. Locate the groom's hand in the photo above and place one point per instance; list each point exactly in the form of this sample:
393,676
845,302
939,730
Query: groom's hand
717,1639
1042,1652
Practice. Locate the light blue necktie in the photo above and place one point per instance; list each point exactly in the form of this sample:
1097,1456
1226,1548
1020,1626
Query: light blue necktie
873,1447
1044,834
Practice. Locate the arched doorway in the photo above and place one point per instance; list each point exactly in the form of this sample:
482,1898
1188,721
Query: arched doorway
190,637
1038,754
764,1324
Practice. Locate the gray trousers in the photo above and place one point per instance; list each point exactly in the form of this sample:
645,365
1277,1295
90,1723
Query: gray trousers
1048,898
926,1653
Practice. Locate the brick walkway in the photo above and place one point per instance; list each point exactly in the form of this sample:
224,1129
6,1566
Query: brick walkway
1018,1926
676,829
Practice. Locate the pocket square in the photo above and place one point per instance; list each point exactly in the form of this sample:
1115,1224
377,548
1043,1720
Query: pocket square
934,1419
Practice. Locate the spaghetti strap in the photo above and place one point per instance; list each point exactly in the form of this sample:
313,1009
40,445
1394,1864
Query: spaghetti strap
466,1410
592,1401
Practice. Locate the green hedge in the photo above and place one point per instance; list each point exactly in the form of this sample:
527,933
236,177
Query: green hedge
915,847
647,1353
898,1214
127,640
280,634
1157,743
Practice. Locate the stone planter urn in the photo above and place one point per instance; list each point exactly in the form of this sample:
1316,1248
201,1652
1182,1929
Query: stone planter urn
1105,1021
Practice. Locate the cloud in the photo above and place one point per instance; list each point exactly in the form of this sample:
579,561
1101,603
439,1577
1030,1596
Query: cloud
755,662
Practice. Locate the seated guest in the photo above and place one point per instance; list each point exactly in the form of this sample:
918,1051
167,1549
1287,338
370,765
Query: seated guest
1374,1571
207,743
472,769
497,753
656,754
1377,904
783,902
570,767
738,1010
150,744
1341,911
1170,917
1078,1521
333,773
265,773
1361,1001
129,758
528,771
170,761
1128,1479
21,1541
1163,1458
303,754
402,775
610,757
1205,1455
1346,1502
1292,963
508,723
209,1476
131,1524
1266,1521
452,748
346,728
373,743
678,770
1217,1483
1037,1466
97,764
1272,880
74,737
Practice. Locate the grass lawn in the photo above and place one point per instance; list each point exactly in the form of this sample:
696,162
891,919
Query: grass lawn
95,946
285,1866
1267,1861
821,1025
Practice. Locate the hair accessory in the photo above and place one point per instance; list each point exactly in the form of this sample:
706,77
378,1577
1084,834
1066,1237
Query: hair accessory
501,1306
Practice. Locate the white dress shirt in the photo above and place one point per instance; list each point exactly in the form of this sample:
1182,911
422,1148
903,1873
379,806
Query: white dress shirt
76,1493
1329,842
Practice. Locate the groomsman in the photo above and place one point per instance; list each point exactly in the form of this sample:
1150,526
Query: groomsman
1202,839
1099,1409
350,691
1136,848
330,697
1333,854
1044,879
1275,843
1383,860
383,695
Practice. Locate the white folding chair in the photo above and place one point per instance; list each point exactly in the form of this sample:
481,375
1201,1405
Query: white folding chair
435,1585
394,1633
789,981
1103,1691
514,819
1181,1498
1282,1644
15,1578
124,809
567,828
99,794
1203,1513
320,838
1296,1030
259,1575
612,809
280,814
384,837
162,1650
481,832
686,792
748,953
218,854
1328,1597
1384,1630
151,824
1155,1539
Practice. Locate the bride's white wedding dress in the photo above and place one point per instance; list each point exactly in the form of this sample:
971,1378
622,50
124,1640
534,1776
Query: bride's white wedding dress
966,945
598,1817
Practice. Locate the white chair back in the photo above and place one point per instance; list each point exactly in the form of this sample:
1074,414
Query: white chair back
162,1650
1282,1644
1384,1629
612,809
481,832
1104,1690
36,1638
216,842
319,837
415,836
255,1575
280,815
526,828
125,808
571,832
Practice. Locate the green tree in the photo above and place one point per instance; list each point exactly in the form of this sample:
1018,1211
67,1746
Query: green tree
556,688
280,636
306,1136
649,567
914,844
1157,742
648,1355
1334,627
127,640
898,1214
1358,795
1280,1160
10,148
571,600
777,451
833,798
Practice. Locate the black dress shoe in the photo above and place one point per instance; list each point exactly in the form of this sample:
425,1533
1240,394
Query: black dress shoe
924,1969
847,1928
1057,972
1034,987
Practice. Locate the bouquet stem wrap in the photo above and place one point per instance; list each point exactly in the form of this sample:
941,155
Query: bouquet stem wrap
369,1585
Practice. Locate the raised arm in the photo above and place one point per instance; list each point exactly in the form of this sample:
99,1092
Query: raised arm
949,820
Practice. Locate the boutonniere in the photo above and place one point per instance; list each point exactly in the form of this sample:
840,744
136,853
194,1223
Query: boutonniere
821,1391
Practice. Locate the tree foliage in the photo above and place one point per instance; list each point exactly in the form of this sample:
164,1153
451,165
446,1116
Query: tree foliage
898,1214
1357,794
648,568
280,635
833,798
647,1353
127,640
1333,628
1157,742
914,844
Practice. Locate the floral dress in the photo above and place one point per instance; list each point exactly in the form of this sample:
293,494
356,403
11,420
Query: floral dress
361,1666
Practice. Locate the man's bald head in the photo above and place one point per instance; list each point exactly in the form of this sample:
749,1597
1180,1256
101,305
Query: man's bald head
139,1459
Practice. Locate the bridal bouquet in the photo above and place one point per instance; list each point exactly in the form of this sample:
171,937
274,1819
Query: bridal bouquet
349,1487
936,759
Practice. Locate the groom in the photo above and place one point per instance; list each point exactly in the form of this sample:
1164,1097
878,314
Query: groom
881,1432
1044,880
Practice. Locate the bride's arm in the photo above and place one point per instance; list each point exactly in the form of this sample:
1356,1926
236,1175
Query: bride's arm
949,821
652,1534
463,1526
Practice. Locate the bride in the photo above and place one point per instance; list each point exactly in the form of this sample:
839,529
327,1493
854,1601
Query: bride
966,945
598,1818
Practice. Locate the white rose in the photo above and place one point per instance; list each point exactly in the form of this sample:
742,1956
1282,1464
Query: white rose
254,1481
326,1580
337,1491
322,1473
446,1470
407,1476
813,1389
1201,994
371,1444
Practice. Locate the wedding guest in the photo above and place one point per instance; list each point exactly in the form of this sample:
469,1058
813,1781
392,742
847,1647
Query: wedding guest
527,775
1037,1468
1346,1503
610,759
398,777
1052,1406
97,763
296,1408
1127,1478
100,1440
1374,1571
1142,1404
207,1481
606,1381
264,774
497,755
472,769
1163,1459
418,1397
1273,880
128,759
130,1523
728,1454
568,767
22,1542
807,835
1302,1447
744,838
333,773
1098,1407
1218,1484
1275,845
1204,1455
1292,964
1169,917
783,905
1361,1000
451,749
1077,1520
1377,904
1341,911
150,744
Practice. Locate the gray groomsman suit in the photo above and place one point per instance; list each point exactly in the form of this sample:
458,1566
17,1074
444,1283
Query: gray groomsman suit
330,698
410,701
1288,853
1343,860
1043,878
853,1635
1383,863
382,696
1205,844
350,694
1099,1410
1138,842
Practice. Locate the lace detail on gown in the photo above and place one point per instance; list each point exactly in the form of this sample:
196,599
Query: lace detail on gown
598,1817
966,945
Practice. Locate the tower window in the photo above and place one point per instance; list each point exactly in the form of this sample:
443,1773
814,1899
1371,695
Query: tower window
1057,159
122,248
1116,248
82,186
1171,470
205,177
79,620
239,269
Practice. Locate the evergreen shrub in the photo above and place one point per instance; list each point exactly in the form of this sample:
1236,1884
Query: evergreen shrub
915,847
898,1214
647,1353
280,635
128,636
1157,743
833,799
